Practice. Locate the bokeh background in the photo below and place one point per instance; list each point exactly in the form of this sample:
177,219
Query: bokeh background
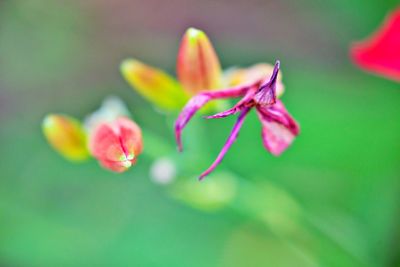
331,200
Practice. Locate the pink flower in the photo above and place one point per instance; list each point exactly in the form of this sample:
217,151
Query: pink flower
380,53
116,144
201,77
278,127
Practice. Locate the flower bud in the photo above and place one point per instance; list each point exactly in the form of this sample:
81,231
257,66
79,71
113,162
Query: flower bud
116,144
66,136
198,67
155,85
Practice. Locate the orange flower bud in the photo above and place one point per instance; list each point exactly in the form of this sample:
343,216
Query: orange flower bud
198,67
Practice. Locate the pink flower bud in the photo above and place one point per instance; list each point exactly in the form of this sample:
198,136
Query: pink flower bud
116,144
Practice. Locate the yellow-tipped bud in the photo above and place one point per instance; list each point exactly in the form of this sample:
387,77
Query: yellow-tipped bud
66,135
198,67
155,85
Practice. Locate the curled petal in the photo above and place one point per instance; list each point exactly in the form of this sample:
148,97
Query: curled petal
224,114
380,53
279,113
278,128
66,135
198,101
116,144
239,106
198,67
187,113
155,85
266,94
232,137
253,74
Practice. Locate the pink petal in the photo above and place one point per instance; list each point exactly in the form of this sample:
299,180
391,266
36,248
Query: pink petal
116,144
239,106
266,95
252,74
187,113
224,114
232,137
380,53
198,101
278,128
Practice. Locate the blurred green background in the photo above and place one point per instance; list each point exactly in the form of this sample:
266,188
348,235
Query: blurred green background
331,200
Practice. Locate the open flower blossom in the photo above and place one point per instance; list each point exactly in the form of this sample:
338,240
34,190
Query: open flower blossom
278,127
380,53
200,76
107,135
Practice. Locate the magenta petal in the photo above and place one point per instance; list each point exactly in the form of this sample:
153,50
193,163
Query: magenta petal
266,95
232,137
187,113
278,128
279,113
224,114
276,137
198,101
380,53
244,101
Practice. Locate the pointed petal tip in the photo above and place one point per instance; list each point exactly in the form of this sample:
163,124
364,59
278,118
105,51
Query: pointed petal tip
194,36
215,116
48,120
277,67
178,137
206,173
201,177
127,65
179,146
194,33
223,114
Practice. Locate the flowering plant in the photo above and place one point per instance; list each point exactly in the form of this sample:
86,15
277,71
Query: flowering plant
200,76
